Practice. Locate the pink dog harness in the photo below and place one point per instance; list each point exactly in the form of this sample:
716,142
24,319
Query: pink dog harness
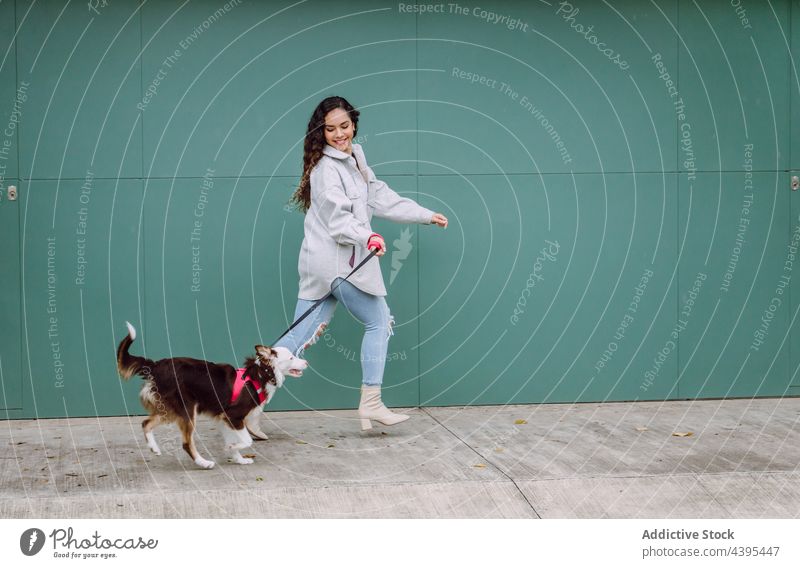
241,381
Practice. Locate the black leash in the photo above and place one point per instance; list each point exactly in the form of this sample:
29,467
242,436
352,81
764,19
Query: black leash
325,297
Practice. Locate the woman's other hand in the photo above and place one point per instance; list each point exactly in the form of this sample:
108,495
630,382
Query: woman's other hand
439,219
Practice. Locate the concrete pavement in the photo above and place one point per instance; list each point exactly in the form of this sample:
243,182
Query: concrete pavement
617,460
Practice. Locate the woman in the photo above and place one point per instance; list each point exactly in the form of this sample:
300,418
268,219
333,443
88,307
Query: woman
339,194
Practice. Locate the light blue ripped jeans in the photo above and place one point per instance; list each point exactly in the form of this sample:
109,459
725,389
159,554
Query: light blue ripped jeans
372,311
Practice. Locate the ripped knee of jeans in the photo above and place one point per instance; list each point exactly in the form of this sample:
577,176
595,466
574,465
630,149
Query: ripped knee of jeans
390,327
317,334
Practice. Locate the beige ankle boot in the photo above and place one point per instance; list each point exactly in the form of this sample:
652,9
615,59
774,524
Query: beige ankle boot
371,408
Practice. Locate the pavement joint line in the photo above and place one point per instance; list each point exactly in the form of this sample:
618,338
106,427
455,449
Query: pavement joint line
699,481
115,491
129,498
484,458
327,485
659,475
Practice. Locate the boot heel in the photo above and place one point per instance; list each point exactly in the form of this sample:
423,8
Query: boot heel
366,424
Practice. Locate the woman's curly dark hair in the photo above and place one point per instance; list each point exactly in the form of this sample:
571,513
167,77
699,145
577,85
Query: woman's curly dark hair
314,144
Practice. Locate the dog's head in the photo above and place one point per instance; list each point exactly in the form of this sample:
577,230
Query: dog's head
282,361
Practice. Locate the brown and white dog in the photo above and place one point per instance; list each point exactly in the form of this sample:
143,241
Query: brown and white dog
177,389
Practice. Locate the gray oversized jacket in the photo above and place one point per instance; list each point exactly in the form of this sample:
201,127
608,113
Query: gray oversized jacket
337,225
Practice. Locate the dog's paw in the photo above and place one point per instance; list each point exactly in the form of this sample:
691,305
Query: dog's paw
151,443
236,457
204,463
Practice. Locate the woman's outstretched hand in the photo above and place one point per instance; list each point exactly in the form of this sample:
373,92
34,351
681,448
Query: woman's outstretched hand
376,242
439,219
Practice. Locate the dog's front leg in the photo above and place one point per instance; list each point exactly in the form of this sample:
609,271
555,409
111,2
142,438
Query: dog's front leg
236,440
253,423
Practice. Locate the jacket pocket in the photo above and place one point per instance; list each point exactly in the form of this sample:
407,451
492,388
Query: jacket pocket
354,192
359,204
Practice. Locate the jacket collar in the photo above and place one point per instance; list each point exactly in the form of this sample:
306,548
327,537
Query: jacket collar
334,153
339,155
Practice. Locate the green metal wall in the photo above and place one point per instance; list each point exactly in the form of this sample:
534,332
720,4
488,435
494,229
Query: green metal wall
617,177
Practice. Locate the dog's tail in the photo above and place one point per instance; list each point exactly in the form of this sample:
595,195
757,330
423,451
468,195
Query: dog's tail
127,364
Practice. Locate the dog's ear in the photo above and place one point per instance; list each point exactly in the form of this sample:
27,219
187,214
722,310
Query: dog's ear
265,353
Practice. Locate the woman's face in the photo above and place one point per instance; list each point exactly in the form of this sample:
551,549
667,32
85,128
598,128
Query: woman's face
339,130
